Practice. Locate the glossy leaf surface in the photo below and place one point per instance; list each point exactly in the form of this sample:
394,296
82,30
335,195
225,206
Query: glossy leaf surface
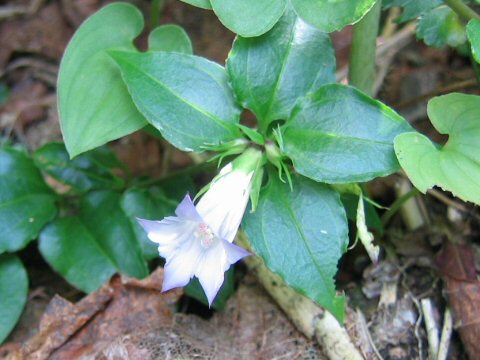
340,135
13,292
328,15
301,235
187,98
90,171
440,27
26,202
101,213
271,71
73,251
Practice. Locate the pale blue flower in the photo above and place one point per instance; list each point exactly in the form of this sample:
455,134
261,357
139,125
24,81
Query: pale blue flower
198,240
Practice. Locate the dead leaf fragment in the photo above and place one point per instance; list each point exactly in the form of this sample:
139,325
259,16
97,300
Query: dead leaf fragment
73,331
457,263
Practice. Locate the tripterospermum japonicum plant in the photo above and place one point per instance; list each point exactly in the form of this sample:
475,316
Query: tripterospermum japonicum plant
285,183
311,134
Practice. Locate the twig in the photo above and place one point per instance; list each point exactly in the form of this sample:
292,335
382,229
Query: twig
366,336
450,202
418,323
309,318
446,335
461,85
390,24
431,326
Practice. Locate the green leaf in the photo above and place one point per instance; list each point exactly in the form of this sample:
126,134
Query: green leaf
301,235
73,251
13,290
194,289
89,171
26,202
440,27
340,135
473,33
270,72
187,98
204,4
252,134
101,213
456,165
328,15
249,18
412,8
148,204
170,38
93,102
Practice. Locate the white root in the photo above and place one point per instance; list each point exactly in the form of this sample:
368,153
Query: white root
309,318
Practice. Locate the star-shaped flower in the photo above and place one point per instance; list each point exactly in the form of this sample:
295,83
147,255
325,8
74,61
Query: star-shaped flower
198,241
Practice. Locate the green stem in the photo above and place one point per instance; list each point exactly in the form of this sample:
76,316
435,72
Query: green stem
155,11
387,216
462,9
364,46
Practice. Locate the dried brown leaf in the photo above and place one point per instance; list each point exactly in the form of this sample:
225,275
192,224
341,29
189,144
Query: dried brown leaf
457,263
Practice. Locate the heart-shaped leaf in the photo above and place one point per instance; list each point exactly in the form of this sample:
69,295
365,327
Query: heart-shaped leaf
249,17
93,102
456,165
170,38
270,72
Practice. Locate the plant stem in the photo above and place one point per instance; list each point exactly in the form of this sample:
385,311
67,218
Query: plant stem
364,45
155,11
462,9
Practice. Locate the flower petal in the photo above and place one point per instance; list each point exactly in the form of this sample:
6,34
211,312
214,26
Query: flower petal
186,210
223,205
181,267
234,252
169,233
211,271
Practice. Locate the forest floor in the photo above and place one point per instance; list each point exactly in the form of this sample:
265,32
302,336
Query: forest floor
432,244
